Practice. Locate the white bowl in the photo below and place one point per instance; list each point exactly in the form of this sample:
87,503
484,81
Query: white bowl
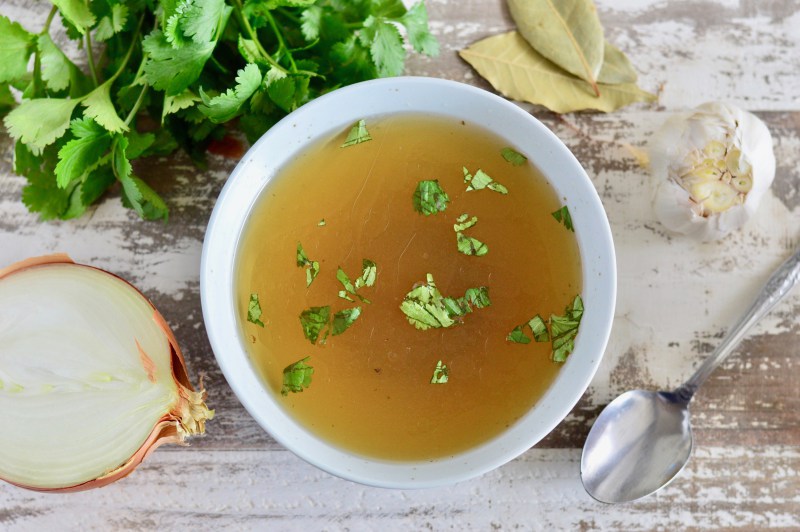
335,112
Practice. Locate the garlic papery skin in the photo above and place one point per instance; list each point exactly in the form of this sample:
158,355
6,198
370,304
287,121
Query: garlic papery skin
713,165
91,377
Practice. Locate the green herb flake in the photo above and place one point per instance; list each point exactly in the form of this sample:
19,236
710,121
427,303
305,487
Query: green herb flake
426,308
313,320
303,261
358,134
343,319
518,335
564,329
369,273
539,328
482,180
429,198
464,222
471,246
254,310
513,156
562,216
296,377
321,223
440,374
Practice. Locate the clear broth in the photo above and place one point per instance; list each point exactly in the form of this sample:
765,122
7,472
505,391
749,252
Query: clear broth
371,392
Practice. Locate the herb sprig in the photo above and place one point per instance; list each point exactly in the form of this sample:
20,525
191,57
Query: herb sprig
170,75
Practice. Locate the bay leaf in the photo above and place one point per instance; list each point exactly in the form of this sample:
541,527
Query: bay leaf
616,67
567,32
519,72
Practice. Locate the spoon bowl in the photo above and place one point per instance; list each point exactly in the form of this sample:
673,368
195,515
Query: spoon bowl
649,434
642,439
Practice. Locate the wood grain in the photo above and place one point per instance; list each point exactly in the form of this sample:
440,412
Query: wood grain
676,298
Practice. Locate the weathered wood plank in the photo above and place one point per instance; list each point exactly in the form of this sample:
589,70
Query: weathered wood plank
251,490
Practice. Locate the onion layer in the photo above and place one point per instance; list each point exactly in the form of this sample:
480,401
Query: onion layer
91,377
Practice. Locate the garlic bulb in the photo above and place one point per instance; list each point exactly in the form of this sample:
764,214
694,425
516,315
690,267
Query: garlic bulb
714,165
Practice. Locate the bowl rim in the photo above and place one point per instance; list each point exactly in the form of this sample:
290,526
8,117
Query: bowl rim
339,109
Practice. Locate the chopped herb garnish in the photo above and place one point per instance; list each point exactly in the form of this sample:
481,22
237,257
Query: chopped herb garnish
321,222
254,310
539,328
471,246
513,156
467,244
518,336
313,320
563,330
343,319
482,180
426,308
463,222
296,377
429,198
302,261
440,373
562,216
358,134
369,273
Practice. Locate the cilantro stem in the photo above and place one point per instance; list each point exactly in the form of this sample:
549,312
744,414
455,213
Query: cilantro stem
135,108
281,43
291,16
90,56
134,40
50,17
254,37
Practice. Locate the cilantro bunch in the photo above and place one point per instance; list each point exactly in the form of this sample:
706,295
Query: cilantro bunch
164,75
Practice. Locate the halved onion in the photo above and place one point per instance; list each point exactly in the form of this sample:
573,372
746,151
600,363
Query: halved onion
91,377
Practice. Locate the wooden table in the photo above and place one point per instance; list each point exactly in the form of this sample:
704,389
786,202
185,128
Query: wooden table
676,298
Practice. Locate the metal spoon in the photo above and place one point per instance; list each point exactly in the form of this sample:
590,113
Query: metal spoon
643,439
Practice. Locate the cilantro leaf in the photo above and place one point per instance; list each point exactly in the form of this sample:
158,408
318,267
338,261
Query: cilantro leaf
562,216
467,244
37,123
369,272
136,194
173,104
16,46
464,222
429,198
385,46
81,154
204,19
96,183
100,107
77,13
41,194
471,246
440,374
518,336
539,329
112,24
311,22
303,261
58,72
513,156
173,69
313,320
482,180
254,310
416,23
296,377
343,319
226,106
426,308
358,134
7,100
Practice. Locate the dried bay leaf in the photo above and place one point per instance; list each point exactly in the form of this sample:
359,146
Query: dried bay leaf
567,32
519,72
616,67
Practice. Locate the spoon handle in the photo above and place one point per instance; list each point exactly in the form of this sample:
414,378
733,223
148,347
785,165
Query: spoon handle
780,284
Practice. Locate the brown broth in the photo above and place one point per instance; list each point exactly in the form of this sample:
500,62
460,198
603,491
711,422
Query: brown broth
371,391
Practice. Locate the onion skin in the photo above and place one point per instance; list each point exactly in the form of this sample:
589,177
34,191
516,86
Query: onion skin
173,427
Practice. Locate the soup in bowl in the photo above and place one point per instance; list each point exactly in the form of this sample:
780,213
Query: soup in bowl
408,282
